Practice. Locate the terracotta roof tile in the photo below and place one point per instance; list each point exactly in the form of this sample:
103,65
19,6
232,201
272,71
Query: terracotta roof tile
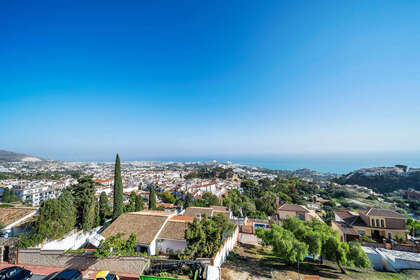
144,224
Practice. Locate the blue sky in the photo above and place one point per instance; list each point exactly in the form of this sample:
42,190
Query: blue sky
149,79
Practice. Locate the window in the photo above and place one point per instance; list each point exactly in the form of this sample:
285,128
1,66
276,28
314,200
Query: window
373,222
377,222
110,276
382,223
361,232
389,235
301,217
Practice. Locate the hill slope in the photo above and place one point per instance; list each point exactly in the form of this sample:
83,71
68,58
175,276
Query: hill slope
11,156
384,179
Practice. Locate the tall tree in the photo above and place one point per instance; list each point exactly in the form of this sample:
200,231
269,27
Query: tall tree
152,199
6,195
131,206
97,217
1,230
56,217
104,209
210,199
118,190
188,200
85,202
139,205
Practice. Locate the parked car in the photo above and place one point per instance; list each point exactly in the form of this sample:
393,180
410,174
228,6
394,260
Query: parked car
106,275
68,274
15,273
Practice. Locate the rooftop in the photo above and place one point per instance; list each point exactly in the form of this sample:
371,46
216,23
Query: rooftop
144,224
10,215
383,213
292,207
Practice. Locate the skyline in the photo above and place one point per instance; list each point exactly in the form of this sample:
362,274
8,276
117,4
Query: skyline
194,79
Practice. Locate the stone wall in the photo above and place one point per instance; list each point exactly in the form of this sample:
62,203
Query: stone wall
58,258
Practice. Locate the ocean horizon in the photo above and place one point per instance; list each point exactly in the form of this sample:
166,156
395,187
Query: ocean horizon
339,164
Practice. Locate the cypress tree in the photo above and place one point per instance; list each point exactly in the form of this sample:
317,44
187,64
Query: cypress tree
152,199
6,195
104,211
139,203
118,190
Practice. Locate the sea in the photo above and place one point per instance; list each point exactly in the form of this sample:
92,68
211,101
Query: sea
338,164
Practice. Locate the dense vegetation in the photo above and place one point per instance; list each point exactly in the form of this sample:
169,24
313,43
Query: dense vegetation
9,196
205,237
259,199
76,207
116,246
293,241
211,173
383,183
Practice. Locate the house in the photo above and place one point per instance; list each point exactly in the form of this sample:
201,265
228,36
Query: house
172,237
198,212
293,210
146,225
343,223
15,220
374,223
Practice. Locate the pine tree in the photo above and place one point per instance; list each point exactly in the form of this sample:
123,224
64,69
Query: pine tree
84,202
152,199
118,190
139,205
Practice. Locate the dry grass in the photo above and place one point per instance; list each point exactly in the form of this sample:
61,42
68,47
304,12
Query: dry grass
250,262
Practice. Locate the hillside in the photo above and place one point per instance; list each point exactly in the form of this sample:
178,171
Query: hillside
384,179
13,157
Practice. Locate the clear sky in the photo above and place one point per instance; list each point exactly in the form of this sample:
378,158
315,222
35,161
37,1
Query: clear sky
151,79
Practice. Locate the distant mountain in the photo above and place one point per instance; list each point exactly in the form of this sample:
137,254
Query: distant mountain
384,179
11,156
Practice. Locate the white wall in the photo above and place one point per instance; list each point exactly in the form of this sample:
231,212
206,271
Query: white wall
228,245
171,244
74,240
13,229
284,215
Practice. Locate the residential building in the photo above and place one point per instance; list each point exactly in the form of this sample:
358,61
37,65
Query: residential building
147,225
172,237
36,193
286,210
374,223
198,212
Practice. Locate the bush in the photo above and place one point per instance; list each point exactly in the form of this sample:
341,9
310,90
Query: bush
399,238
6,205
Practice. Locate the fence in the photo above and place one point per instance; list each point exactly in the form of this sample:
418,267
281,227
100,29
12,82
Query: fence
394,246
74,240
227,246
58,258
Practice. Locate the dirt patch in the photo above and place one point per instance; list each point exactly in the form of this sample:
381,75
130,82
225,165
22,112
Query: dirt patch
249,262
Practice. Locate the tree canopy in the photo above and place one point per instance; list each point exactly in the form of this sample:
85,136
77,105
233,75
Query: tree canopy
293,241
204,237
84,202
